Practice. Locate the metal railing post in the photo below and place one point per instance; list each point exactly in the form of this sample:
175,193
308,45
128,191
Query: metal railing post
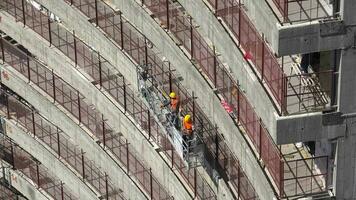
239,36
33,123
191,38
238,104
103,127
125,96
54,86
170,76
83,166
122,31
216,146
215,68
151,184
106,187
58,143
172,151
38,175
263,60
7,106
75,50
238,182
2,50
100,72
216,7
96,12
62,192
23,12
12,156
195,183
167,13
149,123
260,147
28,68
127,157
146,53
79,109
49,32
193,110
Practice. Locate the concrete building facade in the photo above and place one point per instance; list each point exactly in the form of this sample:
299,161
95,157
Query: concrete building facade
86,87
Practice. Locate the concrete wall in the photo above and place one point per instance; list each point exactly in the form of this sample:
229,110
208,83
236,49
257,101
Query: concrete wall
50,161
23,185
206,98
76,133
112,111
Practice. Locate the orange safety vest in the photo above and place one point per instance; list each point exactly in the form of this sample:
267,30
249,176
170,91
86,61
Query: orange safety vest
188,127
175,104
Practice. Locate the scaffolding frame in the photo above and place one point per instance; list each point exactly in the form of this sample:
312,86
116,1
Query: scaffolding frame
71,100
23,162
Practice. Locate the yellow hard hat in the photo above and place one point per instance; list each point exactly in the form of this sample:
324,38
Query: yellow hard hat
172,95
187,118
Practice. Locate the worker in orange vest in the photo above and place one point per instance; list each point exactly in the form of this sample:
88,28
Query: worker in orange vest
174,105
187,132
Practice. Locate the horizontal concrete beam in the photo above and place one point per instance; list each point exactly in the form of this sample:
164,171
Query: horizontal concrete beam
50,161
230,54
23,185
207,100
63,67
311,37
75,132
308,127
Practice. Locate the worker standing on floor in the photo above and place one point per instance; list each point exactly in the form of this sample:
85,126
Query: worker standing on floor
174,105
187,131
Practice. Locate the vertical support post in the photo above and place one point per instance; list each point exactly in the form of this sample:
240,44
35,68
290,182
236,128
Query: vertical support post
106,187
71,2
260,145
96,12
23,12
216,146
58,143
195,183
193,98
122,31
149,123
75,50
239,36
2,49
216,7
28,68
103,127
146,53
127,157
79,109
38,175
238,182
12,156
238,104
125,96
263,60
151,184
215,68
170,77
49,31
7,106
33,123
62,192
54,86
191,38
167,13
172,152
83,166
100,70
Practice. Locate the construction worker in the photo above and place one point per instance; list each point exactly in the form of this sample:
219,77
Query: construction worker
174,104
187,132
